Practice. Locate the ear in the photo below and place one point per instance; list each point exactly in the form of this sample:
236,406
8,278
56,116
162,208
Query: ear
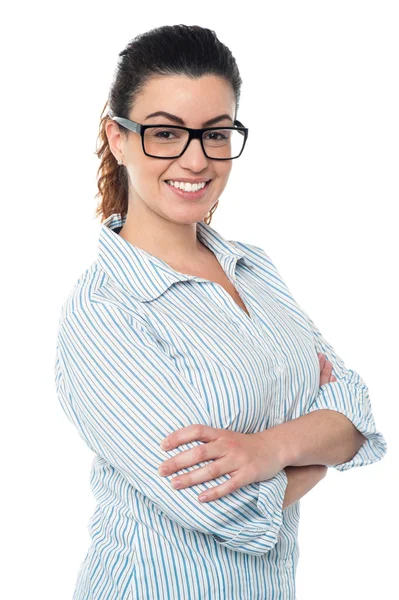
115,138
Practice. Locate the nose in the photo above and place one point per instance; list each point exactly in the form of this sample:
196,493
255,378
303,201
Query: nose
194,157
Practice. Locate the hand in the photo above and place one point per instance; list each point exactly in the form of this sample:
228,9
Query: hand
247,457
326,375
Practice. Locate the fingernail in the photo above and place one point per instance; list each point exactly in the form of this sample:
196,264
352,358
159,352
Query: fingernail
176,483
165,445
202,497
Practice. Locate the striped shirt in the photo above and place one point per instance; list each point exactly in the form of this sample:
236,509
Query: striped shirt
144,350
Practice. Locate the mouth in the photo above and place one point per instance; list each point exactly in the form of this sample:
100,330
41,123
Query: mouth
188,195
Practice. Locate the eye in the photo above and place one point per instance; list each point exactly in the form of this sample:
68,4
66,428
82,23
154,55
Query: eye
163,134
221,135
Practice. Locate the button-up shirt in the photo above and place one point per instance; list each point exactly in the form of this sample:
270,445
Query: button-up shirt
144,350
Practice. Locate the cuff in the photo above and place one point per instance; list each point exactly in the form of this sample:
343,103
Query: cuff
261,535
354,403
271,497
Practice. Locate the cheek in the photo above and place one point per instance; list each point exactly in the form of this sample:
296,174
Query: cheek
223,169
222,174
146,173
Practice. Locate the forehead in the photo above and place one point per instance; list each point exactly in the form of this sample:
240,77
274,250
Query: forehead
195,99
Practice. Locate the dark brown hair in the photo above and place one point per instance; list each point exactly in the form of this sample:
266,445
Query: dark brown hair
188,50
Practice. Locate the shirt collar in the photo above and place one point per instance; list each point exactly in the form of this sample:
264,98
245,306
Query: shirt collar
145,276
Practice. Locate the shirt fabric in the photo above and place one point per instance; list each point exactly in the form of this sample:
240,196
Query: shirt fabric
144,350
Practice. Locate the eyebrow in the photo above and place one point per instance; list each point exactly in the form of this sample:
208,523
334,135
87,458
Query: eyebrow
161,113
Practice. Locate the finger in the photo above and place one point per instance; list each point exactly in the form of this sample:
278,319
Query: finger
208,473
188,458
326,372
323,360
191,433
228,487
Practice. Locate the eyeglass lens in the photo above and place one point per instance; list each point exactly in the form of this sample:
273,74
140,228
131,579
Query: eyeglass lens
169,142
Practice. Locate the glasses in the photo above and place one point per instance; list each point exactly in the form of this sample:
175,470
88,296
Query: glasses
164,141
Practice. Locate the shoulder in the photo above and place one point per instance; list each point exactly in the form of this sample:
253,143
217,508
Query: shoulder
81,293
94,298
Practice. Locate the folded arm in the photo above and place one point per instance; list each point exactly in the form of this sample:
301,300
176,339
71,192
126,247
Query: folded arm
343,440
301,480
323,437
124,395
352,430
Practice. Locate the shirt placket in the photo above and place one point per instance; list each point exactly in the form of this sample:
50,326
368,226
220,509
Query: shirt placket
264,339
252,327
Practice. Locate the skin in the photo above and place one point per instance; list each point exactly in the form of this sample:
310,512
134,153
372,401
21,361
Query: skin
248,458
164,225
300,481
158,221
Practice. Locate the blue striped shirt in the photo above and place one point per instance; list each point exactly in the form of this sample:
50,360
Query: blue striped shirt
144,350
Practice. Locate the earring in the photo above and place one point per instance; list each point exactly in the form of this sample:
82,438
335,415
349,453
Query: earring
120,161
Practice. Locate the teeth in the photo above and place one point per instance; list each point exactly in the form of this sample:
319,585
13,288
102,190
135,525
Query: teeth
187,187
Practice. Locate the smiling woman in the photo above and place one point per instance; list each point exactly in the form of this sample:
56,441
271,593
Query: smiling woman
174,326
163,152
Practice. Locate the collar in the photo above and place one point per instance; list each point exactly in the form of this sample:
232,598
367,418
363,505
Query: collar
145,276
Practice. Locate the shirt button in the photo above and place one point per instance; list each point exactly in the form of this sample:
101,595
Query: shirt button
280,368
288,563
279,420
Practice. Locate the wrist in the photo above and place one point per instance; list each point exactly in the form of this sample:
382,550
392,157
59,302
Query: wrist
282,446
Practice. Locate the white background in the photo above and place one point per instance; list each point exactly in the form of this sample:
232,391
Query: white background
316,187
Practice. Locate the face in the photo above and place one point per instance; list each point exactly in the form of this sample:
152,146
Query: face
195,101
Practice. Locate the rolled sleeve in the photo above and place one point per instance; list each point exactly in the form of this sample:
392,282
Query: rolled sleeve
348,395
124,395
264,530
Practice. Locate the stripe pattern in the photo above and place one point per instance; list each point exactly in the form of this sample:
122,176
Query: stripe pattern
144,350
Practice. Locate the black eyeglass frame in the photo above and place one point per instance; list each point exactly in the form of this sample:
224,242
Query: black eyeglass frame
193,134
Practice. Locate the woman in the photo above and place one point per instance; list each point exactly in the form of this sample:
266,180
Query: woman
176,334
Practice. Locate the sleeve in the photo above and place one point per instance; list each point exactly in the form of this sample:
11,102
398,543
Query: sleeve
348,395
124,394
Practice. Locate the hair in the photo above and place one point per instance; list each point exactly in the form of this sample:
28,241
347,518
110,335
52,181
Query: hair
188,50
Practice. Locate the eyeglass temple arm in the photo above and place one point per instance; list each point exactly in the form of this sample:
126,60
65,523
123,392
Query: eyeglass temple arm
136,127
127,123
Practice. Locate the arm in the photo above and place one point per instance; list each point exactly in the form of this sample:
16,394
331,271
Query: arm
353,425
124,394
301,480
323,437
348,397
